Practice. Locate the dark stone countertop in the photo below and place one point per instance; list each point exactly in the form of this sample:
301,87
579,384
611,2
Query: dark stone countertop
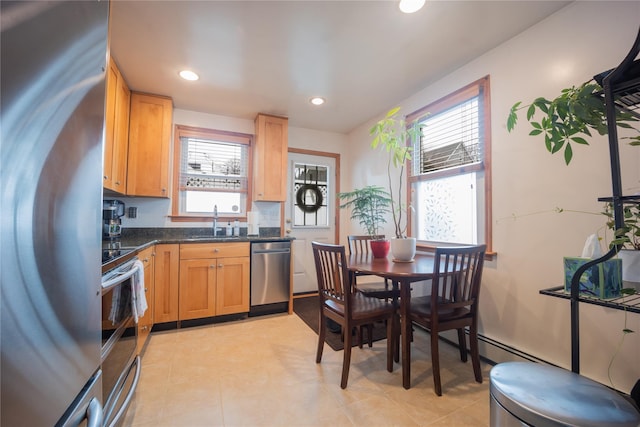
141,238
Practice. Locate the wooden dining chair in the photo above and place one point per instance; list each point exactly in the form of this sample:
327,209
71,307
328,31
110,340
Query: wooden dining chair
340,303
452,304
360,244
382,290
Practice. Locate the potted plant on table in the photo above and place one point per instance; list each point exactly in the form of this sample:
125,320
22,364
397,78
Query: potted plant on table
392,135
369,206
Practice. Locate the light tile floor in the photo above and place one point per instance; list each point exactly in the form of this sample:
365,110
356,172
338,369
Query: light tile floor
262,372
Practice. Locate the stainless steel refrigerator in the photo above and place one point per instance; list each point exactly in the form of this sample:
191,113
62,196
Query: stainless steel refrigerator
53,59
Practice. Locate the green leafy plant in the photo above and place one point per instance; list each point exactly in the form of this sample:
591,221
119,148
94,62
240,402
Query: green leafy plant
369,206
394,136
570,117
627,237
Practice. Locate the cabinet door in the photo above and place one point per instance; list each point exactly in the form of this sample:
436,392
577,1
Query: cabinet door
121,146
145,323
149,145
270,165
166,289
232,285
197,288
116,130
109,125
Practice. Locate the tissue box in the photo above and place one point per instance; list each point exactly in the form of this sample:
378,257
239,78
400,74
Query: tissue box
603,280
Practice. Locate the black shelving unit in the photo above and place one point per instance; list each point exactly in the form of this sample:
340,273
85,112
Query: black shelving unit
621,89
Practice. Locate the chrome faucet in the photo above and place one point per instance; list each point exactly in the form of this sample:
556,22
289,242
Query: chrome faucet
215,220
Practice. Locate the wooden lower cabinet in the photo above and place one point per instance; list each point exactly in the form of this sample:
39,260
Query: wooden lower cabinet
197,288
214,279
166,292
145,323
232,286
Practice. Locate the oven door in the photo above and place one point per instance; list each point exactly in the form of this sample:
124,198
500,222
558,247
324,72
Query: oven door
120,365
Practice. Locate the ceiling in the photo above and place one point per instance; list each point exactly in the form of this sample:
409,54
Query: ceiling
272,56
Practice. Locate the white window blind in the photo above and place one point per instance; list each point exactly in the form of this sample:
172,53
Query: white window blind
450,139
209,165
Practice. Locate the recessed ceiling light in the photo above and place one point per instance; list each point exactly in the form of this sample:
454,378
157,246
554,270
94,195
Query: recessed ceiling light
189,75
410,6
316,100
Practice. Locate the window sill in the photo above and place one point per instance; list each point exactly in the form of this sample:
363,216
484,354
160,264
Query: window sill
426,247
195,218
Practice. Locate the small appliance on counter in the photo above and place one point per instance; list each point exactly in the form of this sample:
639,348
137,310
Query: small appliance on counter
112,211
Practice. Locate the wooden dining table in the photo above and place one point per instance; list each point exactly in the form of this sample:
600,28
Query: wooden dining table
401,274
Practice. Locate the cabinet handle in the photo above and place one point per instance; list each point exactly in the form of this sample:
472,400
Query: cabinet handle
212,266
145,260
146,289
220,265
105,177
117,182
216,250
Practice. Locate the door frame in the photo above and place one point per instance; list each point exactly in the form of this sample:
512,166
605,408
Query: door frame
336,157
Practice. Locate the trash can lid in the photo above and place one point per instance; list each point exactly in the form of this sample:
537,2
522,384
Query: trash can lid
542,395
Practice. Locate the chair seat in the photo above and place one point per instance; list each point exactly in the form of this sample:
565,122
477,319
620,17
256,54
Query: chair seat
378,290
363,307
421,307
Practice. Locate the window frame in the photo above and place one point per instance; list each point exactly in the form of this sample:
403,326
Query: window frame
182,131
478,87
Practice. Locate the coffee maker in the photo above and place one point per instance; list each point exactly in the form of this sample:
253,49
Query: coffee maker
112,211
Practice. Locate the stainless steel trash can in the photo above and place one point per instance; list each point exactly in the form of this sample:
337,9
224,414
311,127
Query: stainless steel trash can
532,394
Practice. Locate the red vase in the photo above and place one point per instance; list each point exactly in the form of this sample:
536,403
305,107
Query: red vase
380,248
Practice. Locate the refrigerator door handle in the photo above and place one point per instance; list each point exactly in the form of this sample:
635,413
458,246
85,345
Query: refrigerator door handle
94,413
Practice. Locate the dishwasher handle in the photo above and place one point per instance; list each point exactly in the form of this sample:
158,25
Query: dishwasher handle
271,251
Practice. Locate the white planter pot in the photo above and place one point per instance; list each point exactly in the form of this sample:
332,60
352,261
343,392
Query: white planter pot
403,250
630,268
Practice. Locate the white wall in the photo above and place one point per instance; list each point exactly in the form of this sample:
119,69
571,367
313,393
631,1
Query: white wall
568,48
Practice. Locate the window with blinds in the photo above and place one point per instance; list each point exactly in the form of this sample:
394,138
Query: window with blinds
450,176
212,170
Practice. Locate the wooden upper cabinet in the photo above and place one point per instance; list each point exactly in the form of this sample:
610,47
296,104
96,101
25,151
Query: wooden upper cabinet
116,130
270,159
149,145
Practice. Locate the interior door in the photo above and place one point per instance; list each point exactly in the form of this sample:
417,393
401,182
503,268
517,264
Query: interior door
310,212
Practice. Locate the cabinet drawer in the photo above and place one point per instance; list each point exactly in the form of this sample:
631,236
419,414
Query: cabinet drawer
214,250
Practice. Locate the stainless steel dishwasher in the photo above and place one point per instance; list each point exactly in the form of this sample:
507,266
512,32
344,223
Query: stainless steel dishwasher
270,277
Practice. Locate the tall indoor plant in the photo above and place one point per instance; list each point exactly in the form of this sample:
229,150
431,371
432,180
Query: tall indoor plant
369,206
393,135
